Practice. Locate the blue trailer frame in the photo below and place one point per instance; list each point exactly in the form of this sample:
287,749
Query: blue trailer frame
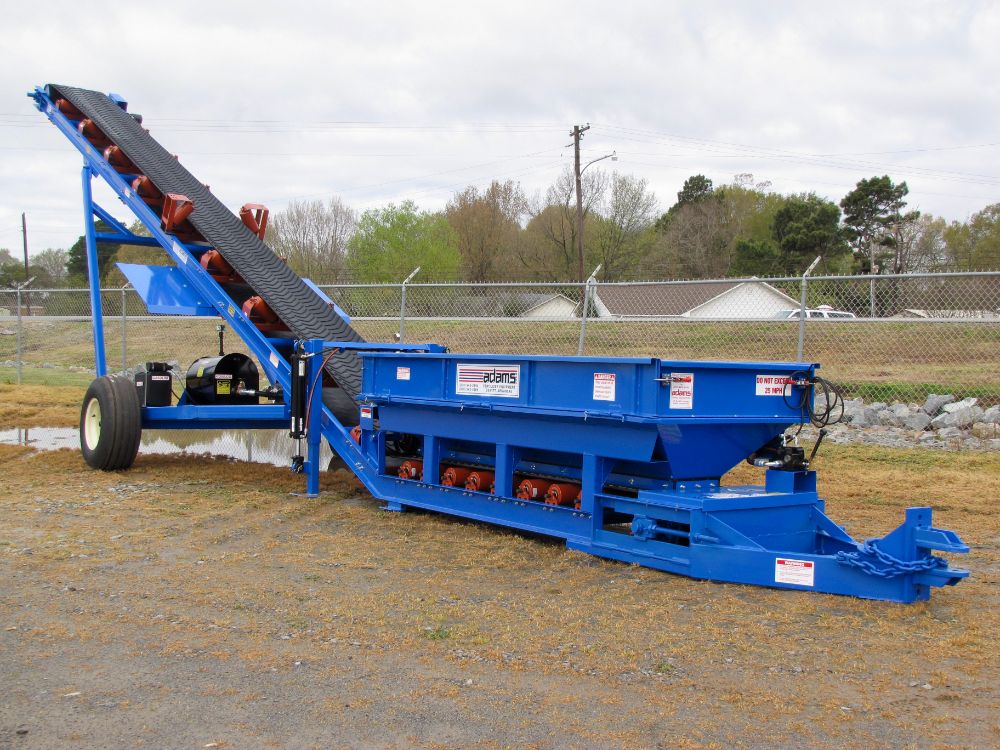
648,465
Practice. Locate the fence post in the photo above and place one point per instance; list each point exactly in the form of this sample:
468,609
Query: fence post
20,326
591,280
18,301
124,330
802,311
402,304
871,297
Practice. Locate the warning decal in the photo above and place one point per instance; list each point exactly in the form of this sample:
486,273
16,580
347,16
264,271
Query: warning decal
488,380
604,386
682,390
402,373
772,385
798,572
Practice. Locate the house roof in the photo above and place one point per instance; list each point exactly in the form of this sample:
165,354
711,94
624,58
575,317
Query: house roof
669,299
495,303
537,300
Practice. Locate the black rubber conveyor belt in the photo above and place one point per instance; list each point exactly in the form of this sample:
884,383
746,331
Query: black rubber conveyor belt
305,313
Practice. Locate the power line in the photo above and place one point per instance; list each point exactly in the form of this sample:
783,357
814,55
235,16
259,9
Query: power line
755,152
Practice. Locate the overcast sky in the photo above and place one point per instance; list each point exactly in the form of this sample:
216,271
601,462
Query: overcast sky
378,102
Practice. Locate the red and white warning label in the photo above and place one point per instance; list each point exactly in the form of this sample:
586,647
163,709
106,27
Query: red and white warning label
604,386
798,572
772,385
682,390
402,373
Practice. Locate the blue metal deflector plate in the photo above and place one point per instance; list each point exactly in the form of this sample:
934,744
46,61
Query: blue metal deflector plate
165,291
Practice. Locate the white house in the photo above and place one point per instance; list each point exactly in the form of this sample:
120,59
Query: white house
737,300
556,306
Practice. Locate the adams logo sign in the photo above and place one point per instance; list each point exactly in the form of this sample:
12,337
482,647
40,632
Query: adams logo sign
488,380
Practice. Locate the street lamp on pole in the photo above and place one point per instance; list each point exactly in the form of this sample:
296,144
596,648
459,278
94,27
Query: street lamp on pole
613,156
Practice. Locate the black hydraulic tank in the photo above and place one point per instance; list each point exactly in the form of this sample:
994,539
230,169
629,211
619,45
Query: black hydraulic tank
154,384
217,380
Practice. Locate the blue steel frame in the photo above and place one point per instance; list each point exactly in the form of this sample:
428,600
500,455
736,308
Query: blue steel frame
93,275
675,516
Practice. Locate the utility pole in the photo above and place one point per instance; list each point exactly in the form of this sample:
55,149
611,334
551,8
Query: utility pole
577,134
24,239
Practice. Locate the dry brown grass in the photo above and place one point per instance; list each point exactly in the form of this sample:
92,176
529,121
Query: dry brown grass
39,406
243,572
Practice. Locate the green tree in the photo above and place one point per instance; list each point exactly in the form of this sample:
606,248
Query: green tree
930,248
873,212
696,188
488,226
11,269
76,265
807,226
701,237
755,258
390,242
975,245
138,254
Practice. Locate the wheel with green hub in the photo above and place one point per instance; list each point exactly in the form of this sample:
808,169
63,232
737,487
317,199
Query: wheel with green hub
110,424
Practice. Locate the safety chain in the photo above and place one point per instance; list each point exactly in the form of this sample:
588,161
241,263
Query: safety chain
891,566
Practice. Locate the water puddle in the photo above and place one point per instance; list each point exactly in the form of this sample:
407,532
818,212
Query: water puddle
272,447
42,438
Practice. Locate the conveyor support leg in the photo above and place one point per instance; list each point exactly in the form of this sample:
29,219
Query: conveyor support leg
314,434
93,275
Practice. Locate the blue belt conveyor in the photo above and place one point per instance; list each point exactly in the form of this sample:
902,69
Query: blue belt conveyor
621,457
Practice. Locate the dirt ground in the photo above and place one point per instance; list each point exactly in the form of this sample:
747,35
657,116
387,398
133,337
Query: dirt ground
196,603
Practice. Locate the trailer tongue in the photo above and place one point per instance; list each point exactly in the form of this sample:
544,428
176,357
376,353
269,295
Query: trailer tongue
621,457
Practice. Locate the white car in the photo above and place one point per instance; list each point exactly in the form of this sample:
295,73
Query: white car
822,312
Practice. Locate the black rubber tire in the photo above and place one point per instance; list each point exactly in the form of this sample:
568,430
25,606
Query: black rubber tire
110,424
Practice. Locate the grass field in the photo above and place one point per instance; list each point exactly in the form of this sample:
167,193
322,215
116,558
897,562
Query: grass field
881,361
193,602
46,377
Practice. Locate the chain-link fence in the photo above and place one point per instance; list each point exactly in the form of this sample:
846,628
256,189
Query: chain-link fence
886,338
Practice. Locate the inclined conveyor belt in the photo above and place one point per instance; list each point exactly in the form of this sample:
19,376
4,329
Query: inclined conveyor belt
305,313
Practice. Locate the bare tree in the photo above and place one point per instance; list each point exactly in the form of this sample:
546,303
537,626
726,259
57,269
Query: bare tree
52,262
622,230
313,237
552,229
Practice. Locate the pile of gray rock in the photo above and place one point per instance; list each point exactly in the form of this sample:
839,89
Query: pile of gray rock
941,421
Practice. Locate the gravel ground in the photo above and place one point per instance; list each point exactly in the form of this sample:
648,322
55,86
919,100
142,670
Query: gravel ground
196,603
